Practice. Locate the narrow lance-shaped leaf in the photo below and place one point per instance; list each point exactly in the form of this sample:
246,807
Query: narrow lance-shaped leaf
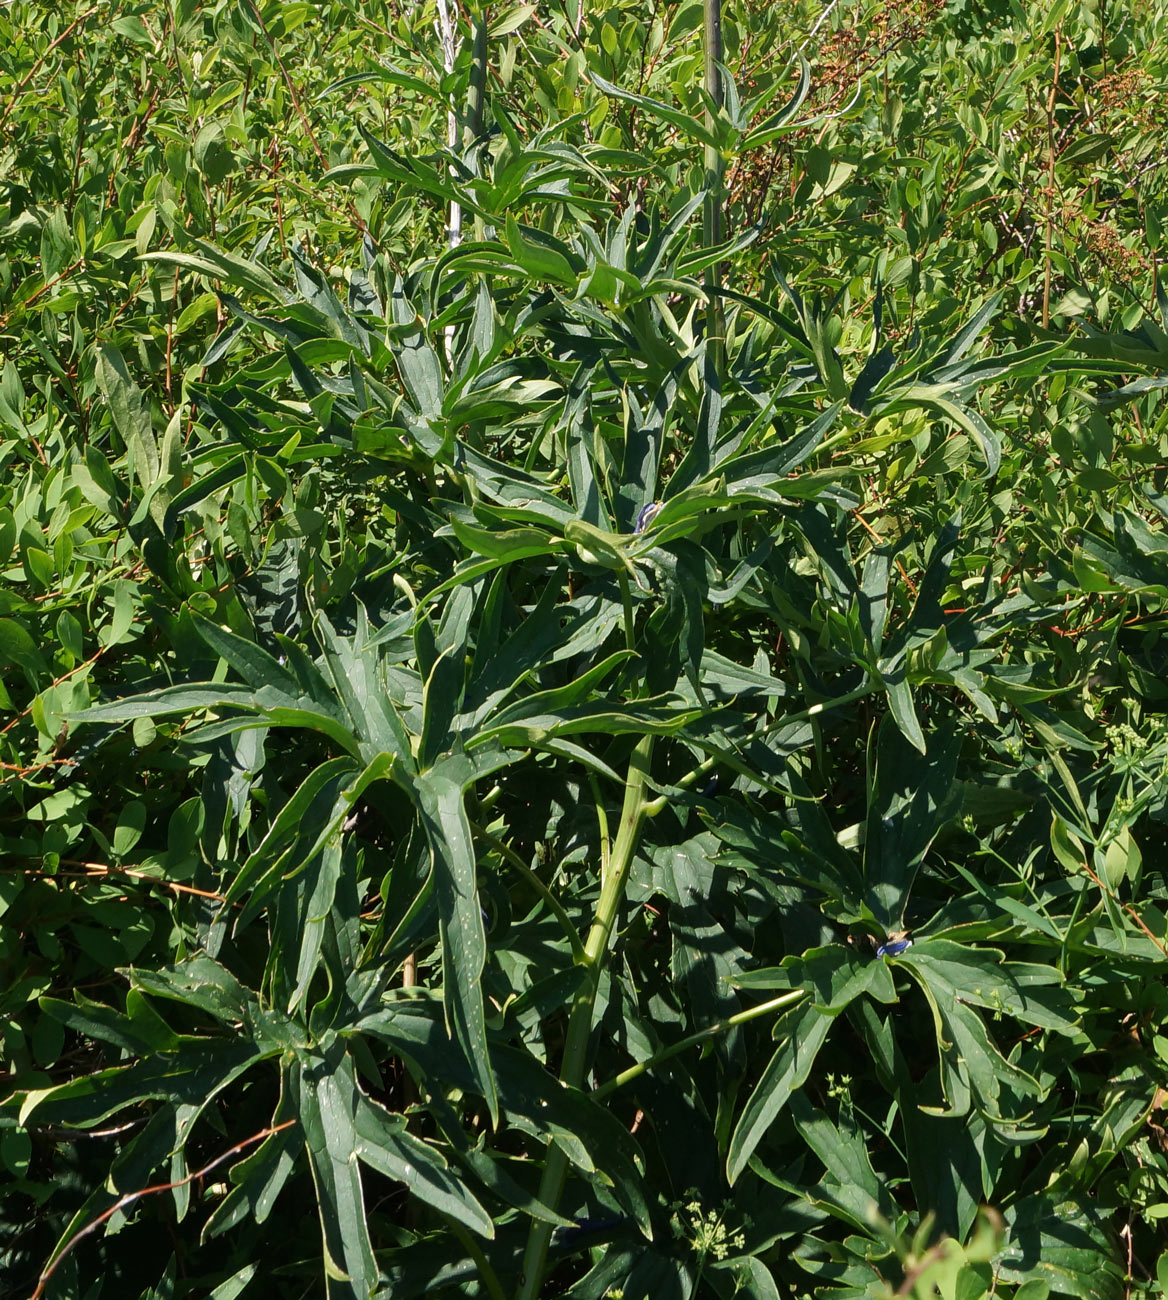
384,1145
439,795
131,414
691,126
219,265
327,1097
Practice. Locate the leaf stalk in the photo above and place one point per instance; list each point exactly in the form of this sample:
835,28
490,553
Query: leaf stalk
700,1036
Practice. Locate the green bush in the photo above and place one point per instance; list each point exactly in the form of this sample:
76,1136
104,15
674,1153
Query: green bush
616,752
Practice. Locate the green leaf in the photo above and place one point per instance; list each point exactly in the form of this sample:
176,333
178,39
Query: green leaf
137,1034
1064,1244
328,1101
779,122
193,1076
507,544
439,794
57,248
218,265
588,1135
384,1145
910,801
131,414
538,257
353,665
18,647
259,1178
201,982
268,703
976,427
850,1189
302,828
692,126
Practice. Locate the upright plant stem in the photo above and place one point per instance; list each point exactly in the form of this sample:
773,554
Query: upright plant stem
713,213
780,1003
575,1060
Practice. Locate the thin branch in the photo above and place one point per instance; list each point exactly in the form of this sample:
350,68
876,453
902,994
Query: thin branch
444,24
131,1197
96,870
36,67
1050,188
823,17
780,1003
554,905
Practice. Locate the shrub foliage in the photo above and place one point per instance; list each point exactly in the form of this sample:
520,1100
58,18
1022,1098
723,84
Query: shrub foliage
583,640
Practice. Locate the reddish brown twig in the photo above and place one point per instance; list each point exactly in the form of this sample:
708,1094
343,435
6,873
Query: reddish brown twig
36,67
98,870
912,586
131,1197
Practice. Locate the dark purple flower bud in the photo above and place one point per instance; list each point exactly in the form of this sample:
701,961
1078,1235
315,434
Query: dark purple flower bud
894,945
647,515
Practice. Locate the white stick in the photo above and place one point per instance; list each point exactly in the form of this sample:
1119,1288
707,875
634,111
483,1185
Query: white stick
445,29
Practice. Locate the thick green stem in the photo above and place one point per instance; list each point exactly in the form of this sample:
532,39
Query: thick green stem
627,607
814,710
614,879
475,1251
601,822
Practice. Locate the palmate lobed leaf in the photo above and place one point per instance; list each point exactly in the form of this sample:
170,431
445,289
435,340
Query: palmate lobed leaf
1034,994
259,1179
591,1137
219,265
384,1144
140,1031
276,708
1064,1244
805,1031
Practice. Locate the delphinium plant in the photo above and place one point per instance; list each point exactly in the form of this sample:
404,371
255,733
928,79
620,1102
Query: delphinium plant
616,755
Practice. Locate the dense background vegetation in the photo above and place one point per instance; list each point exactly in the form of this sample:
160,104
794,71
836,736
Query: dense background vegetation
416,842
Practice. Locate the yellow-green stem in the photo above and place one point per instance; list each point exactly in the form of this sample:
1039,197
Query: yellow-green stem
475,1251
711,1031
575,1061
627,605
707,765
601,822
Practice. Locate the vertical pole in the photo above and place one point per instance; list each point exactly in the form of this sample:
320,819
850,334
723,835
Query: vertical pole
449,40
445,23
713,215
478,79
472,123
476,100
